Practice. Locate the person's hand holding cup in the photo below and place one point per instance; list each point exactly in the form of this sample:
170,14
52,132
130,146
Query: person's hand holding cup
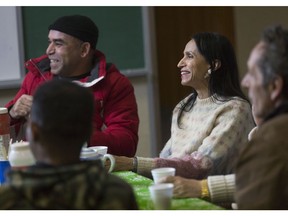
159,173
161,193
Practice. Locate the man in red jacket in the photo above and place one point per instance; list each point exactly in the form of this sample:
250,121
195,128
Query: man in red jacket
71,54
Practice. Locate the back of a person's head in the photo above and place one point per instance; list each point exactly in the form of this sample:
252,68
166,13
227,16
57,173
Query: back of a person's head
63,111
224,81
274,61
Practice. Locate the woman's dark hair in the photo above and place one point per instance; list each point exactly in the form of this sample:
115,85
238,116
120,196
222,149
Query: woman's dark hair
224,82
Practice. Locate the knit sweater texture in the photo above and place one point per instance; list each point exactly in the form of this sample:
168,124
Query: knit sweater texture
207,141
222,187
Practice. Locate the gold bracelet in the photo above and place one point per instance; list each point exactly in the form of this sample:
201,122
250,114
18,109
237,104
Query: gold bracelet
204,189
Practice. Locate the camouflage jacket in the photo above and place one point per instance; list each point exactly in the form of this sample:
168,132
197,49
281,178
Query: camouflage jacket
84,185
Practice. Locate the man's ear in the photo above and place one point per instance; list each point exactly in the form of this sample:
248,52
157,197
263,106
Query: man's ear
276,88
85,48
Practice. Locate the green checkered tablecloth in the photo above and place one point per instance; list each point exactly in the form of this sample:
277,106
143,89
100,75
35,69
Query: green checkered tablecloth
140,185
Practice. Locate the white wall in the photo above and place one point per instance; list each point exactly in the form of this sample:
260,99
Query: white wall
11,43
141,93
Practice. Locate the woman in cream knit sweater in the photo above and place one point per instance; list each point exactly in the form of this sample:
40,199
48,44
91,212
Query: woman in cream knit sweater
212,123
218,189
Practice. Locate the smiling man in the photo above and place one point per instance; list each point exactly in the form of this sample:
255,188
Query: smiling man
71,54
262,170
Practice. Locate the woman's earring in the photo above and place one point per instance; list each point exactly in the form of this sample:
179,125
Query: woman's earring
208,74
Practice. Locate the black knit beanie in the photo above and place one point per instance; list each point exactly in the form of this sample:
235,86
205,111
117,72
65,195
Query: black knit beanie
77,26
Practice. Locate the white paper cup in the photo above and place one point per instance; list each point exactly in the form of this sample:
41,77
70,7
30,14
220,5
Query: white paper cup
161,195
159,173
